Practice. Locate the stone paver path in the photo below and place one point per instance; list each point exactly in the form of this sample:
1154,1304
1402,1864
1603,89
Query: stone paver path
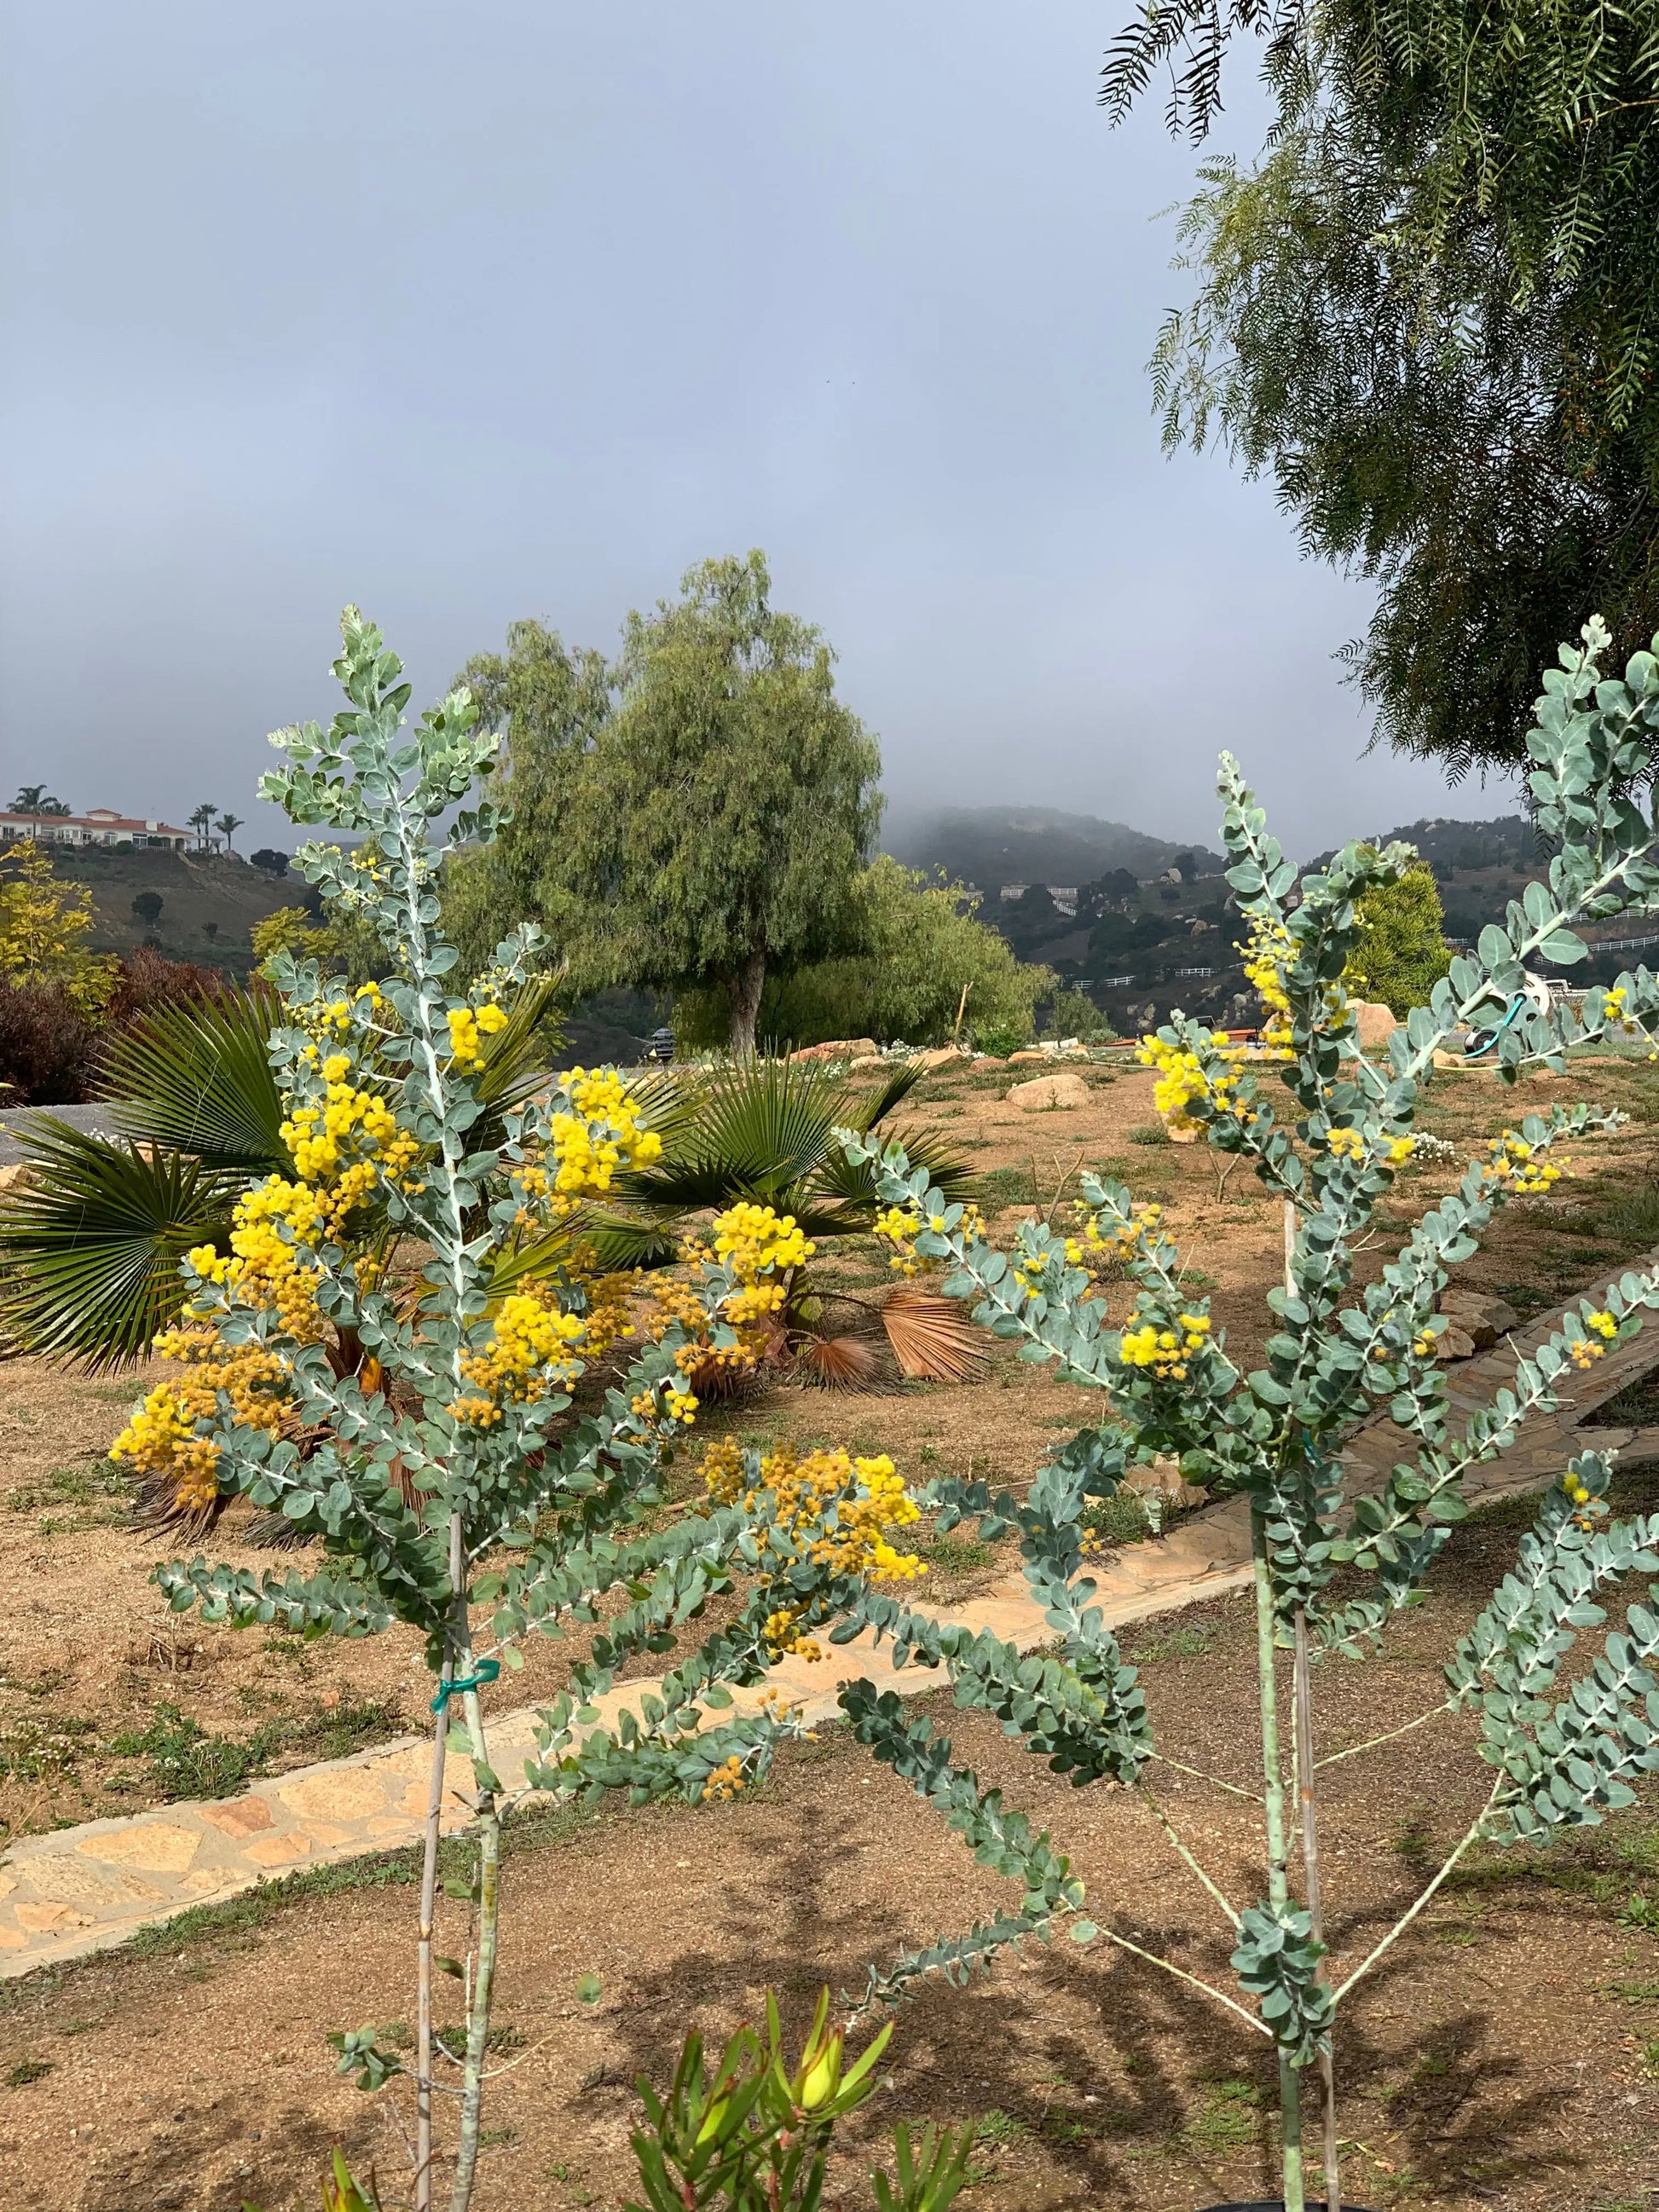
87,1888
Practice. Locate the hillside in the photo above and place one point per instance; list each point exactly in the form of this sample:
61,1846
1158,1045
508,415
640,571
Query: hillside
209,903
990,846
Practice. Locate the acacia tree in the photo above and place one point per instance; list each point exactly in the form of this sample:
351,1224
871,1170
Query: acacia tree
401,1396
1424,312
1331,1569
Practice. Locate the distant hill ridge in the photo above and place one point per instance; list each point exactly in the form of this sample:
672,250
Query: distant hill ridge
991,846
1448,846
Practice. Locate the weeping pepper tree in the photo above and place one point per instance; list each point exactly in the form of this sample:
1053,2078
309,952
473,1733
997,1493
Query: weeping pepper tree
1331,1567
450,1482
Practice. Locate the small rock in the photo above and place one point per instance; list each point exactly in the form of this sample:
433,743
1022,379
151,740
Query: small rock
17,1177
1026,1057
1046,1090
943,1056
1481,1318
1164,1480
1454,1343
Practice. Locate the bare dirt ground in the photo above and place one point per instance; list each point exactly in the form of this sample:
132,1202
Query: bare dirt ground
1506,2062
1505,2058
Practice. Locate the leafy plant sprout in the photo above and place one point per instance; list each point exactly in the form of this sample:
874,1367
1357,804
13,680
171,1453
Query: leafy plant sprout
1330,1569
436,1463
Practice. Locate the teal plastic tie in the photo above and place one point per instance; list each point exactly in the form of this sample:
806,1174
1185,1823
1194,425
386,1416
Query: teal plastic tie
488,1670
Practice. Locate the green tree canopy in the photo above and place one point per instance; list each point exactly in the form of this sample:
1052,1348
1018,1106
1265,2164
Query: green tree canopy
1400,955
551,703
696,815
1425,313
917,948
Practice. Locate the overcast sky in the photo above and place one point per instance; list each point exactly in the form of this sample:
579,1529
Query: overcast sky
518,308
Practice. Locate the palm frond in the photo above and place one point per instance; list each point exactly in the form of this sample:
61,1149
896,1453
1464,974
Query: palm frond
895,1085
90,1244
931,1337
194,1076
836,1363
515,1062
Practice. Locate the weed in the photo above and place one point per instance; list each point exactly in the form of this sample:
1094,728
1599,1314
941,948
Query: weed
1148,1133
1633,1993
31,1750
1634,1220
999,2129
28,2070
1638,1912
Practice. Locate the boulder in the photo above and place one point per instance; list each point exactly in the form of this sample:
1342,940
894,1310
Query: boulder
943,1056
839,1049
1046,1090
1375,1022
16,1177
865,1060
1028,1056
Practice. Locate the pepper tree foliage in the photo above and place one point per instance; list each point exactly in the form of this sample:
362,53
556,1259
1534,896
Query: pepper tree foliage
451,1481
1332,1149
1424,311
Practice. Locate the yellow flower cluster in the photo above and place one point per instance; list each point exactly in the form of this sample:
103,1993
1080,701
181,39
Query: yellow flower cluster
160,1438
725,1782
601,1134
1514,1161
836,1512
469,1027
1181,1082
529,1355
783,1634
755,1238
1585,1350
265,1267
1162,1350
900,1226
353,1127
678,1403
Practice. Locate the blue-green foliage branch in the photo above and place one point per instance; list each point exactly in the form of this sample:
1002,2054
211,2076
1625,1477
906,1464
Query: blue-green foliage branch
1332,1149
478,1533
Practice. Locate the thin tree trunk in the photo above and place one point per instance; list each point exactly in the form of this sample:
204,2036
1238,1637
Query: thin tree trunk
743,987
424,1998
1309,1804
483,1980
1279,1888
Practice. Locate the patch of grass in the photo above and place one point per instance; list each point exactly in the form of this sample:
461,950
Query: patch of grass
1178,1644
1636,1406
1225,2120
956,1555
184,1761
1147,1133
1633,1993
1639,1911
1119,1519
998,1189
96,1493
1634,1219
28,2070
32,1749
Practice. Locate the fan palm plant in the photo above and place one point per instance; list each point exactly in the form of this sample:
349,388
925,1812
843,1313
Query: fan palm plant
90,1243
765,1131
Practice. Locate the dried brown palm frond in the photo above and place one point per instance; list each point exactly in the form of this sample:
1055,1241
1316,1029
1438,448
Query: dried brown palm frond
836,1363
931,1337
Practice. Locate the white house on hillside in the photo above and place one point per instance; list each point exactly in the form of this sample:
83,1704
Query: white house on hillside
102,826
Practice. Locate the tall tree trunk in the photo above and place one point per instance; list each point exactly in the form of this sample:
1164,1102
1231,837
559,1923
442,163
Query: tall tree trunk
743,987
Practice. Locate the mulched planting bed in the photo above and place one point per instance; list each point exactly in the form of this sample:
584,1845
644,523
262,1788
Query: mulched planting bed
1503,2058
